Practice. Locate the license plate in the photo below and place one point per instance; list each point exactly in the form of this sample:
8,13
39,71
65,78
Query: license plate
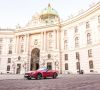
25,75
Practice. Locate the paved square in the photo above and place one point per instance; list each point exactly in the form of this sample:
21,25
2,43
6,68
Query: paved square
63,82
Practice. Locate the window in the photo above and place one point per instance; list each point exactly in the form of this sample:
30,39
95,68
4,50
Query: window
0,49
66,56
91,70
46,21
99,19
11,40
90,53
49,56
77,56
35,42
10,50
1,40
89,38
78,65
8,68
76,29
50,34
76,42
50,40
91,64
22,48
9,60
0,60
49,65
87,25
66,66
22,39
65,33
19,58
50,44
65,44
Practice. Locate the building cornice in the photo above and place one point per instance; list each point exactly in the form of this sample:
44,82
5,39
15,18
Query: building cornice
83,15
36,28
6,32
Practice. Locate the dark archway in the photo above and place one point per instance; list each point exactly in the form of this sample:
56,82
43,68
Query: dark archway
35,57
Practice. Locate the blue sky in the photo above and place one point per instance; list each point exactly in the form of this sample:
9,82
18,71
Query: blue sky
13,12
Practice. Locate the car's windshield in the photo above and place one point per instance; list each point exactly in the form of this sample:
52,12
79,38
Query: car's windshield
43,68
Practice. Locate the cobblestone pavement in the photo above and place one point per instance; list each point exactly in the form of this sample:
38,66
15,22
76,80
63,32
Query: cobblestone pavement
11,76
63,82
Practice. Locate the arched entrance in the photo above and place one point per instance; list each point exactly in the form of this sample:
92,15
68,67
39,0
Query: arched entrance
35,57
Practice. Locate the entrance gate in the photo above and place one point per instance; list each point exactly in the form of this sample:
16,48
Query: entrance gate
35,57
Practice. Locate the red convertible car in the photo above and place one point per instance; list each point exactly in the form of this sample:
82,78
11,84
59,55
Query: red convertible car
41,73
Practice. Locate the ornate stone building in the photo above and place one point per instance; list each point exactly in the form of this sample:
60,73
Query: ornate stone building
68,46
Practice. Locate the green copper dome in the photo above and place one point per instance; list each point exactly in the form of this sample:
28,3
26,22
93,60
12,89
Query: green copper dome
48,12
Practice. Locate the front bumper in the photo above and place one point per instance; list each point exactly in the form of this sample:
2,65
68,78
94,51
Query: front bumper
28,76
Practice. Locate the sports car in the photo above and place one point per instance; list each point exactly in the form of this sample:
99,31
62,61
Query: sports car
41,73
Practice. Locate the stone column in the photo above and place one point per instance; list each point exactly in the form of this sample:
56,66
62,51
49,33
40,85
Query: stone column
17,44
42,41
27,43
55,39
59,48
58,39
27,51
45,41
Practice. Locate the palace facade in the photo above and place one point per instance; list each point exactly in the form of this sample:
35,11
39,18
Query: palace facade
67,46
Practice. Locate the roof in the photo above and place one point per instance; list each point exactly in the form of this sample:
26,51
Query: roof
49,11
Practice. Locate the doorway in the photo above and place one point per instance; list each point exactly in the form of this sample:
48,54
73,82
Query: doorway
18,68
35,57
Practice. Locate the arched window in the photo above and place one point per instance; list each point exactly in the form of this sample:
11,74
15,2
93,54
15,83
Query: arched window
91,64
76,42
88,38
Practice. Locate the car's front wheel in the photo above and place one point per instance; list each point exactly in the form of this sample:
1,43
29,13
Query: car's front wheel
55,75
39,76
29,78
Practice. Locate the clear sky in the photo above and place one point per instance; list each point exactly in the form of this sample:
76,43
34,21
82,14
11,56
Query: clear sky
13,12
